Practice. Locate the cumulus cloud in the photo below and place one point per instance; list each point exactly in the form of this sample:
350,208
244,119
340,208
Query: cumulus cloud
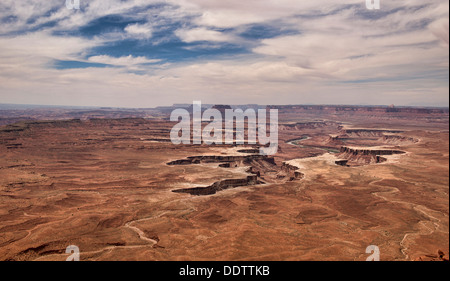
43,47
336,52
139,30
202,34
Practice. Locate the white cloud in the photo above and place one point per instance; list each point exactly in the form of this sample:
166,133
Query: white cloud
139,30
232,13
203,34
45,46
128,61
400,56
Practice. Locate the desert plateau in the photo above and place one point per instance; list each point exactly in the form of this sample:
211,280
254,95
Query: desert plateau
111,182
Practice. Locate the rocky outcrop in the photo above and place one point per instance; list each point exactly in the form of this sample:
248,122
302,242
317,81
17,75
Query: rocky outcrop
221,159
305,125
220,185
249,151
258,165
397,140
363,156
343,163
439,256
229,165
292,171
368,132
372,152
381,159
288,167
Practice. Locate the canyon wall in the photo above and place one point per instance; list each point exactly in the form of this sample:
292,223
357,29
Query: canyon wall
220,185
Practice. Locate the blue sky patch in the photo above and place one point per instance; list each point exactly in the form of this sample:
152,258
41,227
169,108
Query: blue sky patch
60,64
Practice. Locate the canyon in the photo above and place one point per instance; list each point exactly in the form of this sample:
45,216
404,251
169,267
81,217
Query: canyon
111,182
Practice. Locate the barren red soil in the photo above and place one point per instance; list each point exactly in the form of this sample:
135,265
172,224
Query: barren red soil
105,186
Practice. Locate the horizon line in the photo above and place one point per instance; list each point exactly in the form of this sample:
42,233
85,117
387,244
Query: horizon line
243,104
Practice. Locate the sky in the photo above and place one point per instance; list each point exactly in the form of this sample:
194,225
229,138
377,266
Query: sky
148,53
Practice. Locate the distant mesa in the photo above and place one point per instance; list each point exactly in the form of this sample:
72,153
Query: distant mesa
364,156
222,109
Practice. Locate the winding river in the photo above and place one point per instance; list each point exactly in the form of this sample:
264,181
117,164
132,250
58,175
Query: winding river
297,142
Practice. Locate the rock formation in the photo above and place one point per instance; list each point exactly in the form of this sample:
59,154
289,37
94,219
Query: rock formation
220,185
362,156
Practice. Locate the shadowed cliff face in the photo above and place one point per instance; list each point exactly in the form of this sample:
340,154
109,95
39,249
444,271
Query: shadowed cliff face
261,169
369,132
292,171
362,156
369,152
371,137
220,185
220,159
258,165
